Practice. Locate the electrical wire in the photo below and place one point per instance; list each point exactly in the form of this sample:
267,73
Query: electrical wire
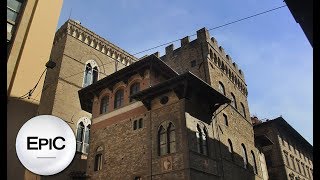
226,24
28,94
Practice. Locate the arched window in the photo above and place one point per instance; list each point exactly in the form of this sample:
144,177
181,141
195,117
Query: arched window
219,62
95,75
243,110
202,143
98,159
233,101
118,100
87,75
166,139
134,88
255,169
211,55
230,149
86,139
162,141
221,88
83,135
91,73
244,156
80,132
215,58
171,138
104,104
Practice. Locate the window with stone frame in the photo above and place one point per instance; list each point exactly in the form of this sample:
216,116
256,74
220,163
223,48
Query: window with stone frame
233,101
230,148
244,156
118,99
104,105
243,110
166,138
202,140
90,73
83,135
221,88
255,169
134,88
298,165
98,160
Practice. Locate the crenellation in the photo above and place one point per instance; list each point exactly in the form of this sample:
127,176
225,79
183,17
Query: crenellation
223,54
184,41
203,35
169,50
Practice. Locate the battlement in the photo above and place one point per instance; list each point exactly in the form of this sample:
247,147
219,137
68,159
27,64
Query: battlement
215,53
76,30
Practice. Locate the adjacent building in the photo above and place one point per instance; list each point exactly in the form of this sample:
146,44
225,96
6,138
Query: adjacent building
291,156
31,25
184,115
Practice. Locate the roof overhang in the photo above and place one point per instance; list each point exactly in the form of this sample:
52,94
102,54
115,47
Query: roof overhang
151,62
186,86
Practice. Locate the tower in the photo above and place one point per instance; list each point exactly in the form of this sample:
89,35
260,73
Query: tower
82,58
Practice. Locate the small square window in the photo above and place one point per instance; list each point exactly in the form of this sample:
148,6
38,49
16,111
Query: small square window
193,63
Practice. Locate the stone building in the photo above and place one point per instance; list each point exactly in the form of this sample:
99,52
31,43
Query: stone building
291,156
184,115
31,25
82,57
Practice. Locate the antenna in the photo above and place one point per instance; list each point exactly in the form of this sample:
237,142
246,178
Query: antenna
70,13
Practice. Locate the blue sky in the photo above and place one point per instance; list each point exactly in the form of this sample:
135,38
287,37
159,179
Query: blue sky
271,49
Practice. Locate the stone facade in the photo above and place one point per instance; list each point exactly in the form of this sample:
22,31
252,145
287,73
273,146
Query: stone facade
73,48
128,153
291,156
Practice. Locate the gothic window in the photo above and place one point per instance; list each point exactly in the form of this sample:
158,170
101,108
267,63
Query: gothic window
230,149
171,138
221,88
244,156
104,104
233,101
118,100
243,110
202,137
95,75
255,169
162,138
298,165
166,139
134,88
215,58
83,135
98,159
91,73
225,120
80,132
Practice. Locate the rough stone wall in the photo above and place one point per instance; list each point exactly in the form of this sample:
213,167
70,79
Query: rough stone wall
212,66
128,153
71,52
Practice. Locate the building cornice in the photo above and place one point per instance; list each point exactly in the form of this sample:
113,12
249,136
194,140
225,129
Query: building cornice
97,42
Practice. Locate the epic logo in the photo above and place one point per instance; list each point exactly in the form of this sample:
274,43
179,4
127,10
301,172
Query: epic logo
45,145
44,142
